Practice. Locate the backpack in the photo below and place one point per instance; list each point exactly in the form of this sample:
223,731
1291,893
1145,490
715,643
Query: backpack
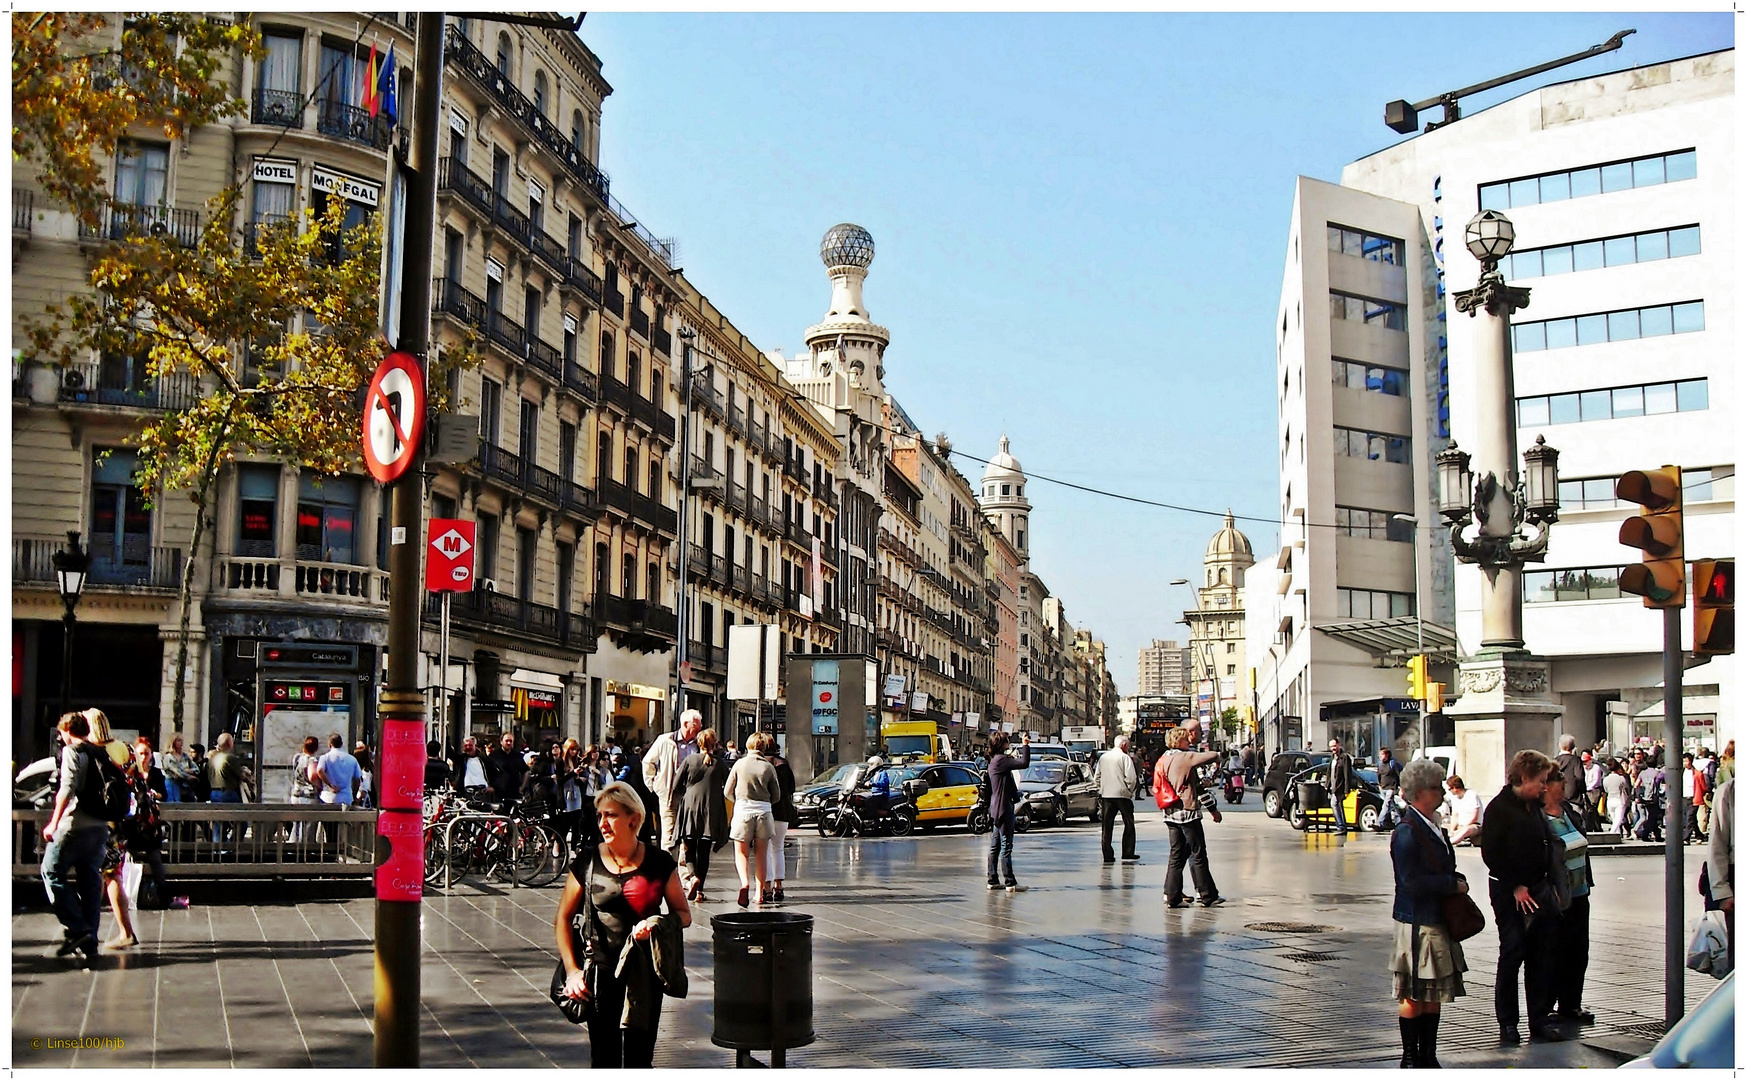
106,792
1166,795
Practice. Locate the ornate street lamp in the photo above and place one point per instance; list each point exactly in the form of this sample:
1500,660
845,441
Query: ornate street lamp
1454,484
71,565
1490,236
1540,479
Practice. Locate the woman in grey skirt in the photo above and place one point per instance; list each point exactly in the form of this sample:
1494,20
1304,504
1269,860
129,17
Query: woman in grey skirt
1427,962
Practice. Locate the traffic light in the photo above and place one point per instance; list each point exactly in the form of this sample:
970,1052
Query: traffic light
1712,615
1416,677
1658,530
1434,698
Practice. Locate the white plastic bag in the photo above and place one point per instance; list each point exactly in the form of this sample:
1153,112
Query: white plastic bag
1707,951
132,873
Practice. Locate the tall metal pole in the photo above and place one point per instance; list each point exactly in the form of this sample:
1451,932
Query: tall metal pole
400,876
1673,710
68,622
686,334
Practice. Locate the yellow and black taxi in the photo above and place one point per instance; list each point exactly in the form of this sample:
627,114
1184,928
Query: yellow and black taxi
1363,804
951,793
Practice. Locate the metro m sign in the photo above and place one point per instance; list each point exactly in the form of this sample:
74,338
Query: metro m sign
450,566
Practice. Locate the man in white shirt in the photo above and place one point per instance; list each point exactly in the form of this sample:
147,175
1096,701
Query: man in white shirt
338,773
1462,811
1117,776
661,772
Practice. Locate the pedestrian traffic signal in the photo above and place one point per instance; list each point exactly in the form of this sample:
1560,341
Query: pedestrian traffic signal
1658,531
1434,698
1416,680
1712,615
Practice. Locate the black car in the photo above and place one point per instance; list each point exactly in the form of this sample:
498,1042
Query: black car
1281,767
1363,805
1055,789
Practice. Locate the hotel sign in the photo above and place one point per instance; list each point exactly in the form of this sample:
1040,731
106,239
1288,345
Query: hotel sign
345,187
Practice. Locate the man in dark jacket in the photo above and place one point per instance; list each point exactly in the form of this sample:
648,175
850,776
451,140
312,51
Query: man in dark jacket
507,769
1341,779
1516,843
436,770
1569,763
1002,807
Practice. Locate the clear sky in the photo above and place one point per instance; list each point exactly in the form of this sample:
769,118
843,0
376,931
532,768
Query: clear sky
1080,224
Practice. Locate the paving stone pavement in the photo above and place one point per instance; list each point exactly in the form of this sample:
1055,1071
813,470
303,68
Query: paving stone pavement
915,965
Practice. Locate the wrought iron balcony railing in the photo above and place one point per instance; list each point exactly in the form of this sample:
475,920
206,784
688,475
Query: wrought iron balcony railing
119,221
352,124
126,386
281,107
510,614
577,273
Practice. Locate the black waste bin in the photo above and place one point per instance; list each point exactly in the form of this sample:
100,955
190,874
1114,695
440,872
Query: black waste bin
763,981
1312,795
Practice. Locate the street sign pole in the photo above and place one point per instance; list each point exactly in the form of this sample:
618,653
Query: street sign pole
443,700
1673,827
400,858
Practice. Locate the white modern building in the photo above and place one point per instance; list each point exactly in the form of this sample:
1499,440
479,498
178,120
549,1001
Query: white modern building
1621,190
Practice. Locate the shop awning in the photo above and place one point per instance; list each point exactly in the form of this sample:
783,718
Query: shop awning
1394,638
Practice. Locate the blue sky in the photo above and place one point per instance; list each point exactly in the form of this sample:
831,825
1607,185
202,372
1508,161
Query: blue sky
1080,224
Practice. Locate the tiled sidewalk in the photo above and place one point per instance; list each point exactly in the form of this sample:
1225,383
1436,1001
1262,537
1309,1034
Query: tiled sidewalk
915,964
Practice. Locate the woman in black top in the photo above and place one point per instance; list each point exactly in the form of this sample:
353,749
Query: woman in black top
786,814
702,821
629,880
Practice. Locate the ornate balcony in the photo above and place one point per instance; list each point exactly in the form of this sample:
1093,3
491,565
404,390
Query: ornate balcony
542,485
616,496
581,380
146,569
352,124
510,615
300,578
638,616
479,68
281,107
119,221
577,274
612,300
116,382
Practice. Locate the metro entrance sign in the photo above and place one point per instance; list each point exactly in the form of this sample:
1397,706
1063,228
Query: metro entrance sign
450,566
393,416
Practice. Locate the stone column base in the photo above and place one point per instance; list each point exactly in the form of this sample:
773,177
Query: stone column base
1505,706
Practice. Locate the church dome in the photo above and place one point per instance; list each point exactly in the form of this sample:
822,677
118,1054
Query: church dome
1003,466
1228,541
846,245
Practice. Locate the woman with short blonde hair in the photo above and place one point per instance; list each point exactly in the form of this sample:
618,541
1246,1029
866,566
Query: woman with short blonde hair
754,789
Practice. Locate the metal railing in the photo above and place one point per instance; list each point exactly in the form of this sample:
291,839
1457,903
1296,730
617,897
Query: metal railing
247,840
281,107
665,250
451,298
578,273
616,496
505,613
353,124
119,221
612,300
581,380
638,616
661,340
156,568
479,67
639,321
23,210
95,383
534,480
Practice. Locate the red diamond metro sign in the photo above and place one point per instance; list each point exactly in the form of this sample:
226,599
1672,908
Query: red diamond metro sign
450,566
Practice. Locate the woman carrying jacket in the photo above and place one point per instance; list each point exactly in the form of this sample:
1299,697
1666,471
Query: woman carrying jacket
702,821
1427,962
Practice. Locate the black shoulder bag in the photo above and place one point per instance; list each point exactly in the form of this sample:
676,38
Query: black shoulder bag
576,1010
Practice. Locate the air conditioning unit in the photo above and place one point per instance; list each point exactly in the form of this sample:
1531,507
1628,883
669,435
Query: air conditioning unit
488,584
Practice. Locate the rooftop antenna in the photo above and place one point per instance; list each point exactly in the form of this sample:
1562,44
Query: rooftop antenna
1404,118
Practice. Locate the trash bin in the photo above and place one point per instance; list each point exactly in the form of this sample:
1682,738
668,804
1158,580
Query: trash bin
1312,795
763,981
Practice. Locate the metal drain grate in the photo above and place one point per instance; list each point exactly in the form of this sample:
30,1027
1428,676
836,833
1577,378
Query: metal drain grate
1310,957
1290,927
1647,1031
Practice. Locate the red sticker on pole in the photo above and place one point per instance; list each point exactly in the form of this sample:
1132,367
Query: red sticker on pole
393,416
450,565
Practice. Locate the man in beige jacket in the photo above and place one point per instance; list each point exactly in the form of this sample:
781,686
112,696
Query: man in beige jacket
661,772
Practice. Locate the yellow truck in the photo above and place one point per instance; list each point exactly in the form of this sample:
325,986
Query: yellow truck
914,740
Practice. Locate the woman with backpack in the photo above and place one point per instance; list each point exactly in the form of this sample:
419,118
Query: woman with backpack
1181,789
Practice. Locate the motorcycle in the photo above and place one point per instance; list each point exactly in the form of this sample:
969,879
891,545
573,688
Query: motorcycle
853,813
1234,787
980,822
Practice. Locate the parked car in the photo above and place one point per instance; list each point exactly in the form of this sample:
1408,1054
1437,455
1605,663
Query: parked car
1055,790
808,799
1050,750
1363,803
1280,769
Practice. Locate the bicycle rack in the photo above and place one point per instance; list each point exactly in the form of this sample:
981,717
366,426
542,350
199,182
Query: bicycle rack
512,838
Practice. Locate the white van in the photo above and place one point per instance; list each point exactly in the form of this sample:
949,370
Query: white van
1442,755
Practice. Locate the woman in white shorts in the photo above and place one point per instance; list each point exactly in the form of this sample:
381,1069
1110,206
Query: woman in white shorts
753,787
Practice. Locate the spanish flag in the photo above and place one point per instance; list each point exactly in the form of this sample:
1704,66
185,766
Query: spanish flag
372,97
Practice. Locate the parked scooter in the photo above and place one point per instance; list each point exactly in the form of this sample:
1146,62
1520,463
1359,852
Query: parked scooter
979,821
853,813
1234,786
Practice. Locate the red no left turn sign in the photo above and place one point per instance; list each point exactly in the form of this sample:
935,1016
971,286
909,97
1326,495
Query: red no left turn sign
393,416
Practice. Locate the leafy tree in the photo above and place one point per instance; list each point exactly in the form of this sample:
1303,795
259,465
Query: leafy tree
76,91
279,331
1230,721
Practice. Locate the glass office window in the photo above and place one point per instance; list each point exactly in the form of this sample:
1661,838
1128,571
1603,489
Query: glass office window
1578,183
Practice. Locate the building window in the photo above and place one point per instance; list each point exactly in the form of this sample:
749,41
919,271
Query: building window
608,356
653,595
327,515
630,467
1230,669
539,94
1617,403
526,558
566,571
1380,249
1377,380
1367,310
569,340
257,500
503,54
281,69
1625,325
121,526
490,406
578,131
1230,647
1351,442
141,173
1594,180
1608,251
1373,604
1370,524
628,575
1577,583
1006,489
1599,492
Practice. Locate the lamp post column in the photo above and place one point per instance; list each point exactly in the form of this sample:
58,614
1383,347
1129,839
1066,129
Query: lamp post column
1497,477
